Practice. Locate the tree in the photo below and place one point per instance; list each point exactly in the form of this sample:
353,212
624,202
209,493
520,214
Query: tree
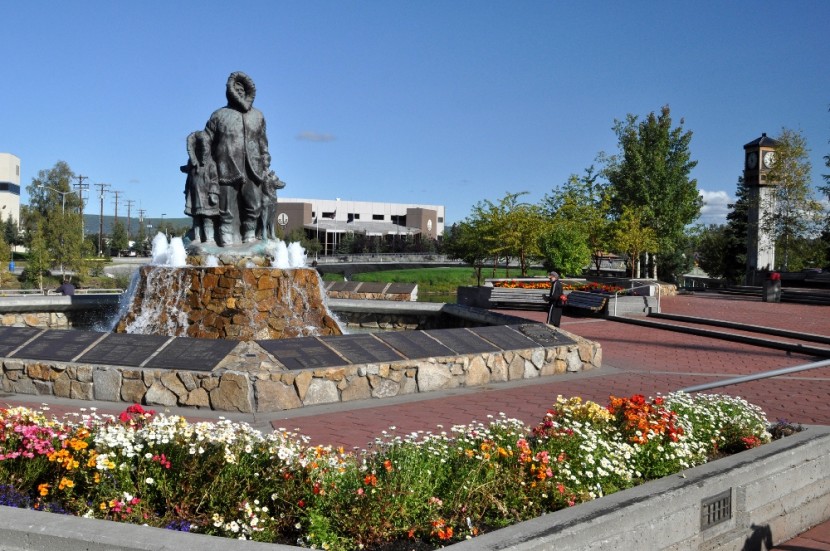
651,174
11,235
38,257
5,257
794,212
737,224
587,202
565,248
119,240
55,209
633,238
464,242
825,234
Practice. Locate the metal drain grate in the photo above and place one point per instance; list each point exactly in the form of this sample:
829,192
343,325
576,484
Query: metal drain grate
716,509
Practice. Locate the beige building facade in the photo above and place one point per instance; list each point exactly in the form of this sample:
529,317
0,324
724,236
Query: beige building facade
9,187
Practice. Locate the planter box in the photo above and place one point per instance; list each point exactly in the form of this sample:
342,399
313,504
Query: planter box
751,500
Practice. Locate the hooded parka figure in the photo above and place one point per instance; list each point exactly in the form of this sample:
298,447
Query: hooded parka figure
239,147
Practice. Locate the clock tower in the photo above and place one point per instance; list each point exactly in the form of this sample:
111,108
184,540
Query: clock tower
759,157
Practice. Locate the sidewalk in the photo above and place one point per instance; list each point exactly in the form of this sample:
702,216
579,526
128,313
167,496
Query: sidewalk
635,360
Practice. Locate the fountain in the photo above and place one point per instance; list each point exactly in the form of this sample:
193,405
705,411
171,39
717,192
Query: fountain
230,278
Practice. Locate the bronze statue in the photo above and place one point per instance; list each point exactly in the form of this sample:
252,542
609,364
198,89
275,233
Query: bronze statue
238,147
201,190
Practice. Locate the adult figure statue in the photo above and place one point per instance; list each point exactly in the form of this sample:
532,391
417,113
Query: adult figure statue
239,147
556,299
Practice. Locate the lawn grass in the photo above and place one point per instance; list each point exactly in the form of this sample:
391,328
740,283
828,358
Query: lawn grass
433,280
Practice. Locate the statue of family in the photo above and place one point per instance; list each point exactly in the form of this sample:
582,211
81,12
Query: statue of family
231,191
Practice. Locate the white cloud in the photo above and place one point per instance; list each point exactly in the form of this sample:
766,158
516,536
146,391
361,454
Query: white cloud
310,136
715,207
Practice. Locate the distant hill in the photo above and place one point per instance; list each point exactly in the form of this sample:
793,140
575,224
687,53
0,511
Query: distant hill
92,223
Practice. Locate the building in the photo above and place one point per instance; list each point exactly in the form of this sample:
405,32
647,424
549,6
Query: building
329,220
9,187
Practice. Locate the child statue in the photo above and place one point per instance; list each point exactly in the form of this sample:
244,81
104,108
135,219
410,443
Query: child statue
201,189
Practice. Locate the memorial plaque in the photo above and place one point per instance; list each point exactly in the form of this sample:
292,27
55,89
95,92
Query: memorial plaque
58,345
462,341
400,288
302,353
124,349
414,344
362,349
372,287
12,337
506,337
192,354
544,335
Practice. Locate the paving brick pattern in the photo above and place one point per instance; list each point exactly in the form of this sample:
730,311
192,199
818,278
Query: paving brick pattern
635,360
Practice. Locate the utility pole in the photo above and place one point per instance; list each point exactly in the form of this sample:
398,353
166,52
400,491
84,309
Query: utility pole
81,186
130,203
102,189
117,194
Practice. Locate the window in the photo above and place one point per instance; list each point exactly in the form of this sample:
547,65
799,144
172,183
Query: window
378,217
353,216
400,220
328,215
440,219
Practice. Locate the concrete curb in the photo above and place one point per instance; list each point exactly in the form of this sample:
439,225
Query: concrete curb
775,492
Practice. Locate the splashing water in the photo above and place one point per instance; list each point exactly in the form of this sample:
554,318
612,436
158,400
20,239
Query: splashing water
287,256
168,254
211,261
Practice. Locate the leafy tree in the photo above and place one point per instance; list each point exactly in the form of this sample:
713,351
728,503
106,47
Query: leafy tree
463,241
564,247
712,245
825,234
119,240
38,261
586,201
651,173
55,210
5,257
632,237
794,212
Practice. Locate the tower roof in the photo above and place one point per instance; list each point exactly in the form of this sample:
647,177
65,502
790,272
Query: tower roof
764,140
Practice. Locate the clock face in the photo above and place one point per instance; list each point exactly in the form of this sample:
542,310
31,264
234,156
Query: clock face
769,158
752,160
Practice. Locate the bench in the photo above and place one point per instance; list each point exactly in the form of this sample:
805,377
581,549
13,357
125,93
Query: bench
525,299
582,300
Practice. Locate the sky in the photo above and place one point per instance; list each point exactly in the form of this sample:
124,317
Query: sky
446,102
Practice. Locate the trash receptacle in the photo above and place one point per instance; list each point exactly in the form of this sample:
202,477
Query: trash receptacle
772,288
11,267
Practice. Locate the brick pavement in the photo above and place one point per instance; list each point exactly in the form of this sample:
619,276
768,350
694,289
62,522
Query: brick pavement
635,360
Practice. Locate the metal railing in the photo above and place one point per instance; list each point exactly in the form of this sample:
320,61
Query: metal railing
52,292
650,284
756,376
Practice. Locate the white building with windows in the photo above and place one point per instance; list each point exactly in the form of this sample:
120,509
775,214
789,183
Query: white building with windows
330,219
9,187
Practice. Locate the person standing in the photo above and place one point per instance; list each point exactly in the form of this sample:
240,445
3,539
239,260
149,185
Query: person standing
556,299
66,289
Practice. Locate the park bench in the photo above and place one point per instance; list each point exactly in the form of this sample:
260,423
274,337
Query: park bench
524,299
582,300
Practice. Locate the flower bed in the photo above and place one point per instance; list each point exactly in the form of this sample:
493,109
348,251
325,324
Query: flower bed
590,287
428,490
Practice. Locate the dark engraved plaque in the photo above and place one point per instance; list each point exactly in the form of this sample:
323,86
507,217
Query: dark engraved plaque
302,353
372,287
340,286
414,344
462,341
545,335
506,337
192,354
362,349
58,346
400,288
124,349
12,337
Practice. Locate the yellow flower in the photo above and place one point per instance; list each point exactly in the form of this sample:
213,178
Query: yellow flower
43,489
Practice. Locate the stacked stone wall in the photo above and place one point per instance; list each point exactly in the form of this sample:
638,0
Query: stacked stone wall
250,380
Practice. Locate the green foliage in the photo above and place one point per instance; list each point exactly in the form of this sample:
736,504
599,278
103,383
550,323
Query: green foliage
119,240
587,202
464,241
793,213
652,174
429,280
564,247
633,238
38,261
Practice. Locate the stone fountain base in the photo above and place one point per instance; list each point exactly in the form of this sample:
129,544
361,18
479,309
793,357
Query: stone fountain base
228,302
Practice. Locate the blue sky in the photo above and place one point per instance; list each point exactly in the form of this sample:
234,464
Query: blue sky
438,102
